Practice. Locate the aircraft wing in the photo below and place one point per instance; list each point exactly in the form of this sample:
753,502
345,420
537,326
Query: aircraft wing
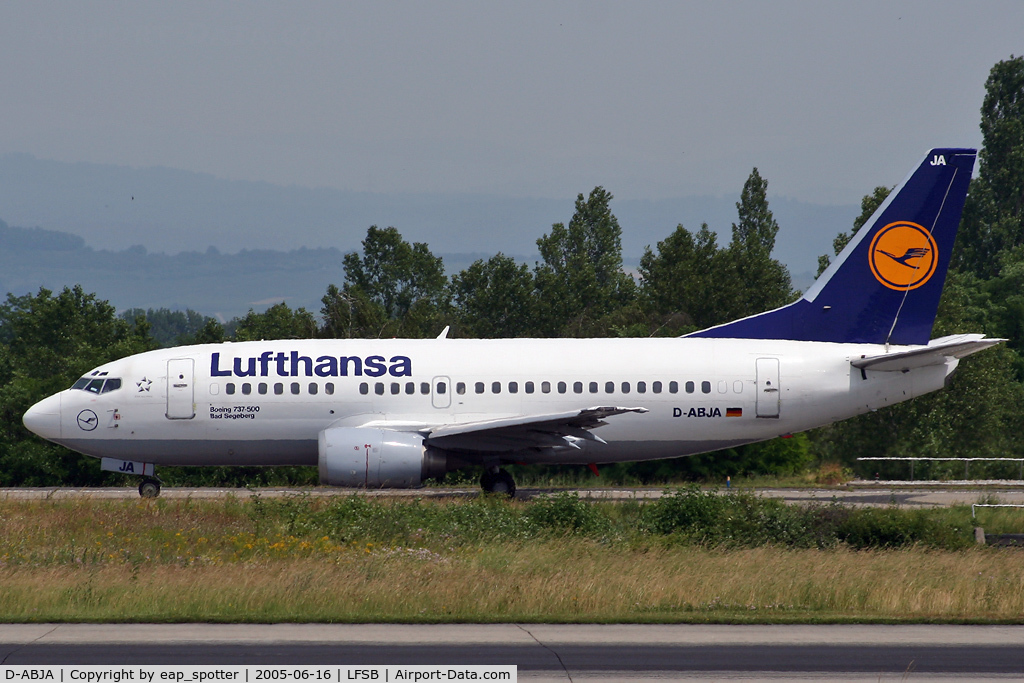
552,430
937,352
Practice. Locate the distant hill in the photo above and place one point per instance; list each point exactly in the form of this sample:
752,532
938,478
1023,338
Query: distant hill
210,282
223,285
167,210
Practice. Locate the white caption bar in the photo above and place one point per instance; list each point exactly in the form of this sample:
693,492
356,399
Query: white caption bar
253,674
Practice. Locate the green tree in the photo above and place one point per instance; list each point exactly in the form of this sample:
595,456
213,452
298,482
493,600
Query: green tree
994,214
212,332
495,298
393,289
170,328
682,279
1003,296
48,341
277,322
976,415
761,282
581,278
781,456
348,313
978,412
55,338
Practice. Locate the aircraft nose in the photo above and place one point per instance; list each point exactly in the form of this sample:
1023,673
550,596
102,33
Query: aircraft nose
44,418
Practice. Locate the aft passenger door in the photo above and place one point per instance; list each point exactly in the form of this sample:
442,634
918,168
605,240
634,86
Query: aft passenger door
768,394
180,391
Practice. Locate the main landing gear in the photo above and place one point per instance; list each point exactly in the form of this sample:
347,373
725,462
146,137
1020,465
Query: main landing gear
496,480
149,488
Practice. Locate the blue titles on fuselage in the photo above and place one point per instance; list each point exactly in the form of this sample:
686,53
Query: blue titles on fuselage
294,365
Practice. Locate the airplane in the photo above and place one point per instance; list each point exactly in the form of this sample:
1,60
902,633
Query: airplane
379,413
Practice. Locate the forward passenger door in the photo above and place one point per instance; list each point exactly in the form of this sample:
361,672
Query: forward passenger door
180,390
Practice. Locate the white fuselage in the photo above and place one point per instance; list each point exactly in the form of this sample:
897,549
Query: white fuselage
265,403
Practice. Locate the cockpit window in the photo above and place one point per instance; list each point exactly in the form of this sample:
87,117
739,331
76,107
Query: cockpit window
98,385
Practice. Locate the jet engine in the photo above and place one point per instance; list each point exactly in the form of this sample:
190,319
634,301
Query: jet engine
375,458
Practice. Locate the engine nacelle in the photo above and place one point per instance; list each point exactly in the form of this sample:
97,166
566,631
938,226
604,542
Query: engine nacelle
375,458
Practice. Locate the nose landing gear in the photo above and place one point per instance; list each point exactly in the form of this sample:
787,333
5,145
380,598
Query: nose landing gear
149,488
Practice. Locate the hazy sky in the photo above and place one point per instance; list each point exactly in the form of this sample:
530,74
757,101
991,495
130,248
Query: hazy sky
544,99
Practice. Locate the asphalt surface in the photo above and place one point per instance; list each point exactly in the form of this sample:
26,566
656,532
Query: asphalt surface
550,652
879,494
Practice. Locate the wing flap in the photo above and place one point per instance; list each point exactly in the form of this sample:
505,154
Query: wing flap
552,430
937,352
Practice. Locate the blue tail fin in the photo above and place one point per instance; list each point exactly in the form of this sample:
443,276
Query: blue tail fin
884,287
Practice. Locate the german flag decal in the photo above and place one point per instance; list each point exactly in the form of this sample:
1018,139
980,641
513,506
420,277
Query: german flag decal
734,412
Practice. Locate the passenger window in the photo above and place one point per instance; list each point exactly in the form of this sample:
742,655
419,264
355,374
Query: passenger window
513,387
705,387
561,388
478,387
314,388
737,386
112,384
656,387
329,388
262,387
364,388
442,388
410,388
609,387
641,387
424,388
593,387
577,387
673,387
545,387
214,389
723,386
278,388
246,388
396,388
495,387
529,387
95,386
625,387
378,388
689,387
229,388
296,388
460,388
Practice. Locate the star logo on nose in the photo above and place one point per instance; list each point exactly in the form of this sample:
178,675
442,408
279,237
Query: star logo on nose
143,384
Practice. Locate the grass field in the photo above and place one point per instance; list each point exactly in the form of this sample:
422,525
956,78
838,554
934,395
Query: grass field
691,559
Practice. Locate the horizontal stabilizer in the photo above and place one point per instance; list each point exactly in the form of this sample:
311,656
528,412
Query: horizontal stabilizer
937,352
